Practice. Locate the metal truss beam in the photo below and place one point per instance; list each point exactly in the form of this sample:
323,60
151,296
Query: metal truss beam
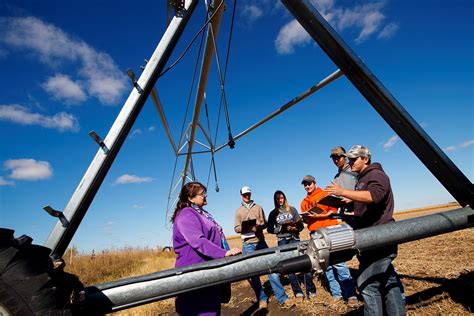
85,192
332,77
213,28
460,187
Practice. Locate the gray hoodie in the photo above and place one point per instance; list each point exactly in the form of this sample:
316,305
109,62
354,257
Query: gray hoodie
280,218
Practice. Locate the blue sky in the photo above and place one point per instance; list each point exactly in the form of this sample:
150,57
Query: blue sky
63,75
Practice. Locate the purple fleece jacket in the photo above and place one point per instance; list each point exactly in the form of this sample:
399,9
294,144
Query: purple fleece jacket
374,180
195,238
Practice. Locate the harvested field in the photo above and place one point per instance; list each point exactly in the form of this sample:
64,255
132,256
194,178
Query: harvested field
437,273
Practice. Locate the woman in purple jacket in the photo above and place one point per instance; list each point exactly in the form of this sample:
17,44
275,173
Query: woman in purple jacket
197,238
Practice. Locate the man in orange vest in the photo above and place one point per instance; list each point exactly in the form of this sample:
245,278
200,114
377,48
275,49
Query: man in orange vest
338,275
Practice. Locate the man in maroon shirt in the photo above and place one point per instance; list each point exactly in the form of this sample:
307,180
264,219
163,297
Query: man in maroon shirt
373,205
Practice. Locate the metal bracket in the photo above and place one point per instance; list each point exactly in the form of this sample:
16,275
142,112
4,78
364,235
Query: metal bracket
99,141
177,5
318,252
135,84
141,67
57,214
178,8
231,141
302,247
139,89
329,239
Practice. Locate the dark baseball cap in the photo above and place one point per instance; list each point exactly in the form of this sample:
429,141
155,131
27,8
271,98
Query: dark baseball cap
337,151
308,178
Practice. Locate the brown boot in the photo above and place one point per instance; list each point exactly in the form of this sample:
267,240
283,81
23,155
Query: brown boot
352,302
262,305
289,303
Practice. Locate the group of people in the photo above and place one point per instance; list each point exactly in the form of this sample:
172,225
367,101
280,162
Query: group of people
367,201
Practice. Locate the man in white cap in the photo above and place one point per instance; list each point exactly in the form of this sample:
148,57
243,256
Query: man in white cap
373,205
249,223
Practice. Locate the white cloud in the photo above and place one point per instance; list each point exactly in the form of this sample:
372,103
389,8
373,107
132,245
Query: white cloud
370,23
19,114
62,88
365,20
136,131
251,13
151,128
467,143
4,182
459,146
388,31
28,169
137,206
292,34
53,46
128,178
391,142
450,148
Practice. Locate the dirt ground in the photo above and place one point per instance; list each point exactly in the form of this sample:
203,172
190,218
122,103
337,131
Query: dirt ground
437,273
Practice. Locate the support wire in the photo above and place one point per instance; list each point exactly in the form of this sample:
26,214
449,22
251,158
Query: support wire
184,119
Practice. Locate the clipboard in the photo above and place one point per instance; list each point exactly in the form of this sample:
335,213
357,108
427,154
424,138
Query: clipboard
314,210
248,224
331,200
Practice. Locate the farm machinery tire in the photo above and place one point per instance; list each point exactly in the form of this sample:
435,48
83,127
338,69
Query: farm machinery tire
31,283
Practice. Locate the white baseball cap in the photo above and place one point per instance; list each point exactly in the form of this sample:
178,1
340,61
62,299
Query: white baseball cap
245,189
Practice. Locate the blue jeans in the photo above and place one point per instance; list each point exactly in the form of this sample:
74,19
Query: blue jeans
340,280
274,278
378,283
308,277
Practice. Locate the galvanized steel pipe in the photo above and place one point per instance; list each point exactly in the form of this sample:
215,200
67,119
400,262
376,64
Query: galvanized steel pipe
136,291
337,242
413,229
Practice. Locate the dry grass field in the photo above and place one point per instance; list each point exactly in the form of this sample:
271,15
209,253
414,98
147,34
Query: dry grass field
437,272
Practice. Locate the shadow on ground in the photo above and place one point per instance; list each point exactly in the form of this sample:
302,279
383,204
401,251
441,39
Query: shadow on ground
460,289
